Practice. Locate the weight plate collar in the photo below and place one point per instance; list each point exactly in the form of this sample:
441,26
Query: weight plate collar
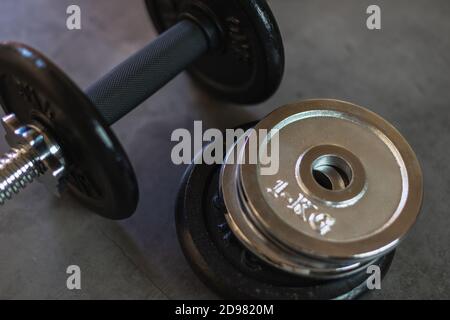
255,212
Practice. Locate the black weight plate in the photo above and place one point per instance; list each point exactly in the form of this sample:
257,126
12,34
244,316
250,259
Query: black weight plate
227,267
249,65
35,90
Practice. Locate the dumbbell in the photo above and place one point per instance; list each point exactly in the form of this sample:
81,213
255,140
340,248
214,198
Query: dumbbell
57,132
348,189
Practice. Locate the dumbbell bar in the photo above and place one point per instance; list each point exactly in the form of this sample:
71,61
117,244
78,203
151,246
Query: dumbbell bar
56,131
132,82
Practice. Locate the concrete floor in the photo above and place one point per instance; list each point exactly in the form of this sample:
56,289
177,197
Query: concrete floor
401,72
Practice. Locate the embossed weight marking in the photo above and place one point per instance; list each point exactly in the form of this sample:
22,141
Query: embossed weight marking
61,135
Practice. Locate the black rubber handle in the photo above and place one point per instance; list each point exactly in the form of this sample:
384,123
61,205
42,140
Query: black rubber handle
137,78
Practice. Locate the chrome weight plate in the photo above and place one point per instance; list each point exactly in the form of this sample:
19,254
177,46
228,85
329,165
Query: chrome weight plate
348,189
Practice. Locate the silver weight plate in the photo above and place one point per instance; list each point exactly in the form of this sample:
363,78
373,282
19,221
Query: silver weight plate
348,189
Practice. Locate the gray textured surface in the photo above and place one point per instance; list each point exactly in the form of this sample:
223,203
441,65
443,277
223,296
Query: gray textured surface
401,72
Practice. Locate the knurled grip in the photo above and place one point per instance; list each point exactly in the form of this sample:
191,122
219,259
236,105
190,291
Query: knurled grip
137,78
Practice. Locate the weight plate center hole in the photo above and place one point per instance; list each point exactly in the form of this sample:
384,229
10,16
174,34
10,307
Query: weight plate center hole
332,172
332,175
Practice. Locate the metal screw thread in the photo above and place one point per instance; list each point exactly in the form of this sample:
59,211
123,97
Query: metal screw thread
18,168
